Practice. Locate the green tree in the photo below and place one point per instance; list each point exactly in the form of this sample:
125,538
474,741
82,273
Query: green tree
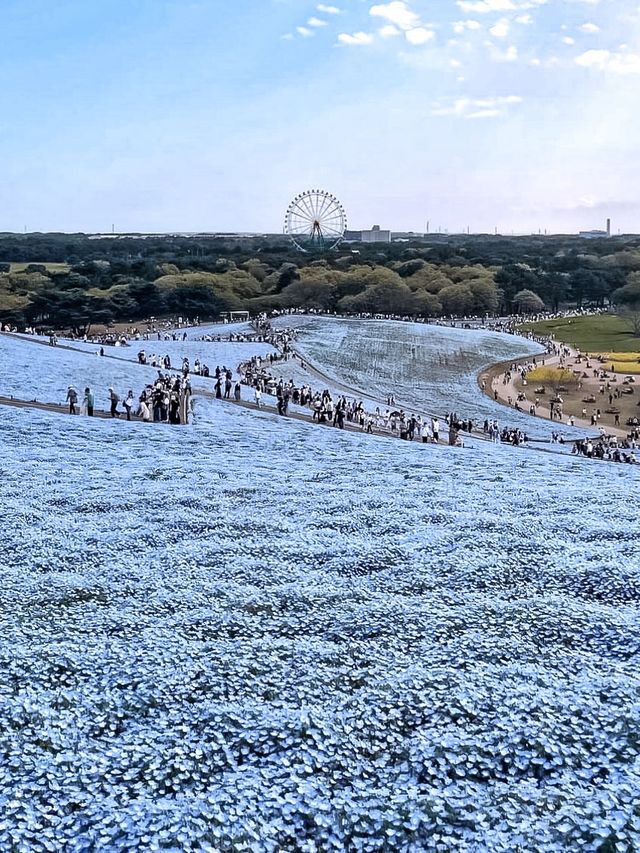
457,300
429,277
627,301
527,302
385,297
485,295
512,279
309,292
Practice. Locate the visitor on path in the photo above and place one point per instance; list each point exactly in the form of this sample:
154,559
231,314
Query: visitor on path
237,392
174,408
114,399
144,411
128,404
72,399
87,402
258,397
435,429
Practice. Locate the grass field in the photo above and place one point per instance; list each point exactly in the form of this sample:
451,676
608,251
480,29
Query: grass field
55,267
603,333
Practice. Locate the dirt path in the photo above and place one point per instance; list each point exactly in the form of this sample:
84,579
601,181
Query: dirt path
310,368
57,408
295,414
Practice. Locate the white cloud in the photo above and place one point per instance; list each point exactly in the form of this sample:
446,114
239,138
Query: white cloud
606,60
477,108
485,114
388,31
304,32
328,10
569,40
500,29
486,6
524,19
287,36
355,39
397,12
590,28
508,55
461,26
419,35
316,22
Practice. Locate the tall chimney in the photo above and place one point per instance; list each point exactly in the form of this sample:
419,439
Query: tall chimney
608,228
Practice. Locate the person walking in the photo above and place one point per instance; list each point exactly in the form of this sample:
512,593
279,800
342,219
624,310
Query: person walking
236,392
435,429
128,404
88,401
72,399
114,400
258,397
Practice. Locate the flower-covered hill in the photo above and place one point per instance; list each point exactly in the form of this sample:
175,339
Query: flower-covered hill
259,634
426,367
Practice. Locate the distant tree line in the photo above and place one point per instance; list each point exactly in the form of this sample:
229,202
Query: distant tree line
74,281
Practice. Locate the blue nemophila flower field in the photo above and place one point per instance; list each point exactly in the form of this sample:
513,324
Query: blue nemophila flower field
256,634
426,367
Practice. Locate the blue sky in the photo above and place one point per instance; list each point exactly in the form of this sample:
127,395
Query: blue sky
177,115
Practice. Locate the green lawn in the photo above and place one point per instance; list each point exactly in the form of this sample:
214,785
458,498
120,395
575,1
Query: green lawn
605,333
55,267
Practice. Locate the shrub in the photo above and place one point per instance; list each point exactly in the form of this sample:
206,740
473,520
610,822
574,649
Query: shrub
628,367
555,377
621,356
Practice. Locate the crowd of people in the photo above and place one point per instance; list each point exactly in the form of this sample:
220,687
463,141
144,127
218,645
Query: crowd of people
341,412
169,397
607,448
166,400
586,369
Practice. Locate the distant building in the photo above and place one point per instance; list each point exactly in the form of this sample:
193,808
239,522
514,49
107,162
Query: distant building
405,236
593,235
596,235
375,235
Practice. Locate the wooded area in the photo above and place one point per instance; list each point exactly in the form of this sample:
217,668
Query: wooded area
73,281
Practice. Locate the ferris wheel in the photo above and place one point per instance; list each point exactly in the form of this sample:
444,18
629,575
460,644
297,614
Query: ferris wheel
315,220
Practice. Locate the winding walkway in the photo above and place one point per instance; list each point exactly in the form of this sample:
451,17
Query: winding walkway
305,415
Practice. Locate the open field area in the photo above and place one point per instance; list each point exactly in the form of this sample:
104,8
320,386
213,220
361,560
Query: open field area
591,334
255,634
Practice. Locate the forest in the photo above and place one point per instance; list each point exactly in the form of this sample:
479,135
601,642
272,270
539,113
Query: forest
63,281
